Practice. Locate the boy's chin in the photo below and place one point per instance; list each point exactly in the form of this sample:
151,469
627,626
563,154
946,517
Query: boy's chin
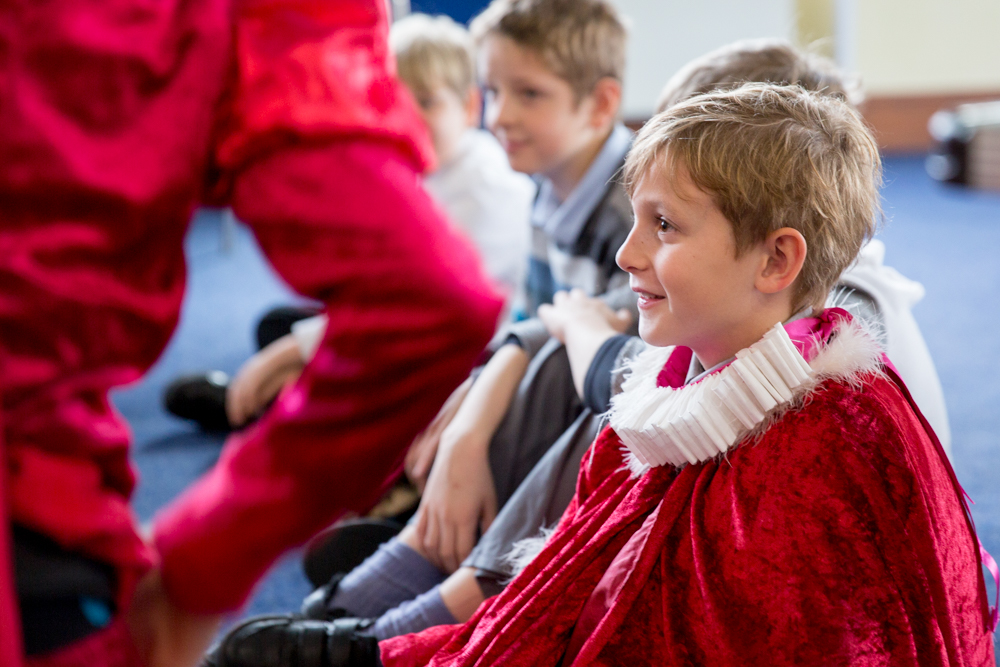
651,334
524,163
522,166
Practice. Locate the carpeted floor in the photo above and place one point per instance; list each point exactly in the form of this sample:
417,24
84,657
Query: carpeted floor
948,239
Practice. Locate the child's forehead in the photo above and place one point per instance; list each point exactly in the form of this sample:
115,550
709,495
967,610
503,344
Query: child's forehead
666,181
502,54
665,172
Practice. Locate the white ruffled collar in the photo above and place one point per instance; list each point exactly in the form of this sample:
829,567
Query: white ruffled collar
707,418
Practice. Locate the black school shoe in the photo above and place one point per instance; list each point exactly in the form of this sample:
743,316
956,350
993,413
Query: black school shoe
292,641
201,398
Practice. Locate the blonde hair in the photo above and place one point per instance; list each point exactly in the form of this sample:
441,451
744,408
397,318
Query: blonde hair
432,51
761,61
772,157
580,41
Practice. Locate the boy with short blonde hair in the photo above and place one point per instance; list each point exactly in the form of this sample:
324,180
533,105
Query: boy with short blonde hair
432,51
552,73
788,505
822,174
579,41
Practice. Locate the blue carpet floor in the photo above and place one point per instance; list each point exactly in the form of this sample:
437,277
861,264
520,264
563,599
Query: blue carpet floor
948,239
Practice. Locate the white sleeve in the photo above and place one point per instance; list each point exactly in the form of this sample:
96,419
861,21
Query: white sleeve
308,333
895,295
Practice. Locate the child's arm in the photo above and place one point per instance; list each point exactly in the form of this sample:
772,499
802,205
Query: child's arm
460,497
420,456
261,377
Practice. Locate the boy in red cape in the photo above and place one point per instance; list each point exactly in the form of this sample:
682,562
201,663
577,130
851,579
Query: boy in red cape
766,492
118,118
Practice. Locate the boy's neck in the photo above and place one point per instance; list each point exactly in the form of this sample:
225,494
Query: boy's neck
566,176
714,352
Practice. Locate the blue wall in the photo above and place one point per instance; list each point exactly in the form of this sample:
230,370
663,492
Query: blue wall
460,10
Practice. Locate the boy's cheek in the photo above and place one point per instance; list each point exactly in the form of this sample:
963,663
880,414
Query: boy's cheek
522,161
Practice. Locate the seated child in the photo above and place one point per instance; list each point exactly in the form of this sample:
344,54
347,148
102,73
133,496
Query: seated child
552,73
588,327
877,294
782,502
833,520
473,182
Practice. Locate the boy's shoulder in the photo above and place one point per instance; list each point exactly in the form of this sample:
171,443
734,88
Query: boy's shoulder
853,407
849,439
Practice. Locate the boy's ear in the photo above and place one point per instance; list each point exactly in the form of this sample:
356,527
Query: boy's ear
785,253
474,107
607,99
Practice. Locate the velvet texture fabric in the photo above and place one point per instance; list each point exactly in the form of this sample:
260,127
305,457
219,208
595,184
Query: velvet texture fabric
117,120
838,537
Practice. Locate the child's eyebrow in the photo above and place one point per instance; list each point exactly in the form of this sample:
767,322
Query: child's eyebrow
657,203
518,80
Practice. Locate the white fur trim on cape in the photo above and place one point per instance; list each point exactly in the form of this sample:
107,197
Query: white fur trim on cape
524,551
704,420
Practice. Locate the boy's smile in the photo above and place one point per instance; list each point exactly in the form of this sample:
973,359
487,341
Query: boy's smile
535,114
681,257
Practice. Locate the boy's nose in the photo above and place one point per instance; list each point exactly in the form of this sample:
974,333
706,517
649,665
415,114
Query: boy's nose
629,256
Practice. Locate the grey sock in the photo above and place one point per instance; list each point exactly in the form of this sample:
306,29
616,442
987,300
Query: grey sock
392,575
424,612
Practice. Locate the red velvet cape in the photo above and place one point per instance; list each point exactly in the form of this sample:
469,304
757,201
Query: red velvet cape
837,538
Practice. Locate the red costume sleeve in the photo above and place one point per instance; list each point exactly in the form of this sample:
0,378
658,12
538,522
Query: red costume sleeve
335,200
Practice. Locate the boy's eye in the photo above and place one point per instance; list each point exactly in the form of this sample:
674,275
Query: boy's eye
530,93
663,225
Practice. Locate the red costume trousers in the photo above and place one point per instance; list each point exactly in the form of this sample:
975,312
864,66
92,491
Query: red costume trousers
116,120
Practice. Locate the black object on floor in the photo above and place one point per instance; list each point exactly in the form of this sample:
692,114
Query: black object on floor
63,596
201,398
345,545
291,641
278,322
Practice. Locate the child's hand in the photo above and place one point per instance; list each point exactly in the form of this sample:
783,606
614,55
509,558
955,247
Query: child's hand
575,310
583,324
261,378
459,501
421,453
164,635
